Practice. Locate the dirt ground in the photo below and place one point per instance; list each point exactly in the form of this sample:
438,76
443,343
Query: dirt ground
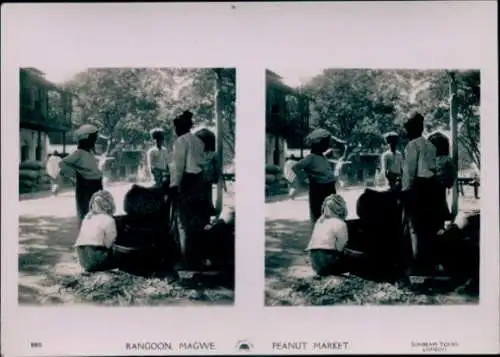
49,272
291,281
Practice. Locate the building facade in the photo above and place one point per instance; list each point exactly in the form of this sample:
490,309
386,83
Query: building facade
45,109
287,119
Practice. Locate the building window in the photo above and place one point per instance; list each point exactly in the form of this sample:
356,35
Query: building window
37,99
39,147
277,152
25,152
38,153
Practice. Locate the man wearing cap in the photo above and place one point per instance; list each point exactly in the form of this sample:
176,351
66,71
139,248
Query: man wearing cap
318,171
83,166
419,191
392,162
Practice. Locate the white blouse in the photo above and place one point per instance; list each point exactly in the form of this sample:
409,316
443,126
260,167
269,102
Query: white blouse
329,234
99,230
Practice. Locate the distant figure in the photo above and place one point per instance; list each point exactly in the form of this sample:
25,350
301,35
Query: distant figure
316,168
338,168
290,176
157,158
97,234
53,171
104,164
329,237
420,190
392,162
82,167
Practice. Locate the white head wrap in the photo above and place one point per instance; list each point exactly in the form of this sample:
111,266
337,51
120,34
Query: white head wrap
102,202
334,206
85,130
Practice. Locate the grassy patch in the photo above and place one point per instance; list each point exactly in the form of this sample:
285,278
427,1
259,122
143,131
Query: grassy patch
115,288
353,290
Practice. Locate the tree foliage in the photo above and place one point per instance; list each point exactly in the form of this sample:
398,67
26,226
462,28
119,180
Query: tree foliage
360,105
126,103
434,103
203,82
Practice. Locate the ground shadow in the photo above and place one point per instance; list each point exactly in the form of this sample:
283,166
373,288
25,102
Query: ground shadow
49,273
285,244
45,253
45,241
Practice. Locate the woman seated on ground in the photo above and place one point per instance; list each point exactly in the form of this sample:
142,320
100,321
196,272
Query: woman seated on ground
329,238
97,234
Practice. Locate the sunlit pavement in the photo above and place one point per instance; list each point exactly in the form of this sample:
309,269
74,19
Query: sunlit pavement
298,208
63,205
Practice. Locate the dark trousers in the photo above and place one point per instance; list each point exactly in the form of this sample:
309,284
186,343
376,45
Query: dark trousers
394,181
192,211
209,198
444,213
160,176
93,258
83,193
317,194
423,216
328,262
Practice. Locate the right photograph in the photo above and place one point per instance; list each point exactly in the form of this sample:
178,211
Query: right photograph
372,186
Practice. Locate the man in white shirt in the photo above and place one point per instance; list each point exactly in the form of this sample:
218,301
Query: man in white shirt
157,158
419,189
187,189
392,162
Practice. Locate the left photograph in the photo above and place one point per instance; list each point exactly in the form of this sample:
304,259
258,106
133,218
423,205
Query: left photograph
126,186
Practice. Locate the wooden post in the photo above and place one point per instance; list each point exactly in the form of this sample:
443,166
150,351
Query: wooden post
302,107
219,141
454,140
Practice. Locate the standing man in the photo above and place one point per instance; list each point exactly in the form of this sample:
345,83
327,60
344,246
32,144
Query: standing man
188,190
318,171
157,159
392,162
419,192
82,167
